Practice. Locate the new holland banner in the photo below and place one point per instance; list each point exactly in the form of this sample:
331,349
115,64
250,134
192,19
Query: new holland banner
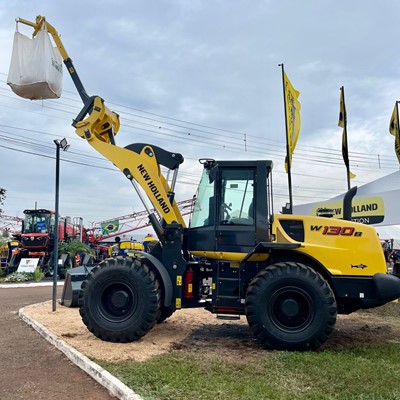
367,210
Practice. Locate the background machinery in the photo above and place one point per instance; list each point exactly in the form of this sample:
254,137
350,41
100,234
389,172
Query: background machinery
128,223
36,240
290,275
105,241
9,226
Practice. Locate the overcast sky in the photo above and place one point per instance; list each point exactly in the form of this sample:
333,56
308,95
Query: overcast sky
202,78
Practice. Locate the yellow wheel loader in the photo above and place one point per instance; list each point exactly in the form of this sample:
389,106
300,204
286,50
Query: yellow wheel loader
290,275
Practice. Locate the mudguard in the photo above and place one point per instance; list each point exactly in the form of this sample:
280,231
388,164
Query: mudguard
166,279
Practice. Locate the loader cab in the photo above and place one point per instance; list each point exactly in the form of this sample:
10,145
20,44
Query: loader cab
232,208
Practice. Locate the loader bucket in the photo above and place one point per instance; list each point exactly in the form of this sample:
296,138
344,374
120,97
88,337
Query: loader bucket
72,285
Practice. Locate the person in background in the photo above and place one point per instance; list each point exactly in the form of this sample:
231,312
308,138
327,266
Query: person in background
146,241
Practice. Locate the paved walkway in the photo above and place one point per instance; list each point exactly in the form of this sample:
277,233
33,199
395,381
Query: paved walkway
30,368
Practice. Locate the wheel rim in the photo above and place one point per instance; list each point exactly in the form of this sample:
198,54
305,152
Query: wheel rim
118,302
291,309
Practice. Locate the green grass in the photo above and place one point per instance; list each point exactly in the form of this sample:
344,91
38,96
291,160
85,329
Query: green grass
366,372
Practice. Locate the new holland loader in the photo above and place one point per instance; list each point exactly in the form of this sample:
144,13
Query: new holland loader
290,275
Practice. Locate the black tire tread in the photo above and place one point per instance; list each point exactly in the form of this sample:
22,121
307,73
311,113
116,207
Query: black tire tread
289,269
147,320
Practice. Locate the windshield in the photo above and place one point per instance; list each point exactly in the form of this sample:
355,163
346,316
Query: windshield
38,223
203,206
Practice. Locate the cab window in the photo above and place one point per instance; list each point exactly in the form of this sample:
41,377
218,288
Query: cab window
237,197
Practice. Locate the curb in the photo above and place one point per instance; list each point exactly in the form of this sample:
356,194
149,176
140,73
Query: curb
110,382
23,285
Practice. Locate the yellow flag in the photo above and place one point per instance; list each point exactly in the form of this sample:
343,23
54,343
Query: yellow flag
342,113
293,121
343,123
394,121
394,129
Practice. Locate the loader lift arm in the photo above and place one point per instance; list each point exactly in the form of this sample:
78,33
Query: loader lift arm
140,163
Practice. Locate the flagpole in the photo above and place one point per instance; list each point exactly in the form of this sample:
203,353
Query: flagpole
348,168
345,139
290,210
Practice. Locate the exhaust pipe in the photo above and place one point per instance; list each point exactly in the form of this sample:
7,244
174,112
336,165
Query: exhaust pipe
347,201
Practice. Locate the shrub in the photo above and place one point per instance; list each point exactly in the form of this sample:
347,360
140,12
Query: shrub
19,277
38,275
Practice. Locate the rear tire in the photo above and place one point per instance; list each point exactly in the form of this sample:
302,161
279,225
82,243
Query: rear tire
120,300
290,307
13,263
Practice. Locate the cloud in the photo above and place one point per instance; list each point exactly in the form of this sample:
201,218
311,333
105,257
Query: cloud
202,78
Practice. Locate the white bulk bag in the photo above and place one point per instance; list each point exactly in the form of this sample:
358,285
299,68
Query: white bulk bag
36,67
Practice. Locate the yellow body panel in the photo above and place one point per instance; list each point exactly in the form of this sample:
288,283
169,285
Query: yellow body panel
342,247
130,246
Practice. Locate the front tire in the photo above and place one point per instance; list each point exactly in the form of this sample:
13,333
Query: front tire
120,300
289,306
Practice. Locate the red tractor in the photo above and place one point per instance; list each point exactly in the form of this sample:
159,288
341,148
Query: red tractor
37,240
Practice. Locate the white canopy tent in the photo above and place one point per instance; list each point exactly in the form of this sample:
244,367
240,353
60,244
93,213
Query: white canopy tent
376,203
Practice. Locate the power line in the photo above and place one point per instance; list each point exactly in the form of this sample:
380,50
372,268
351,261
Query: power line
190,134
334,155
33,144
315,159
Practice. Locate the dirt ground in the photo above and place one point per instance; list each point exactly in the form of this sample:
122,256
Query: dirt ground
198,330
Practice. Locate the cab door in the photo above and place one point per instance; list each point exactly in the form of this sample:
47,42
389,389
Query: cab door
236,219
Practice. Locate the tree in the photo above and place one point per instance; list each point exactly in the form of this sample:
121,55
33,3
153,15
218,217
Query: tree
2,198
74,247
